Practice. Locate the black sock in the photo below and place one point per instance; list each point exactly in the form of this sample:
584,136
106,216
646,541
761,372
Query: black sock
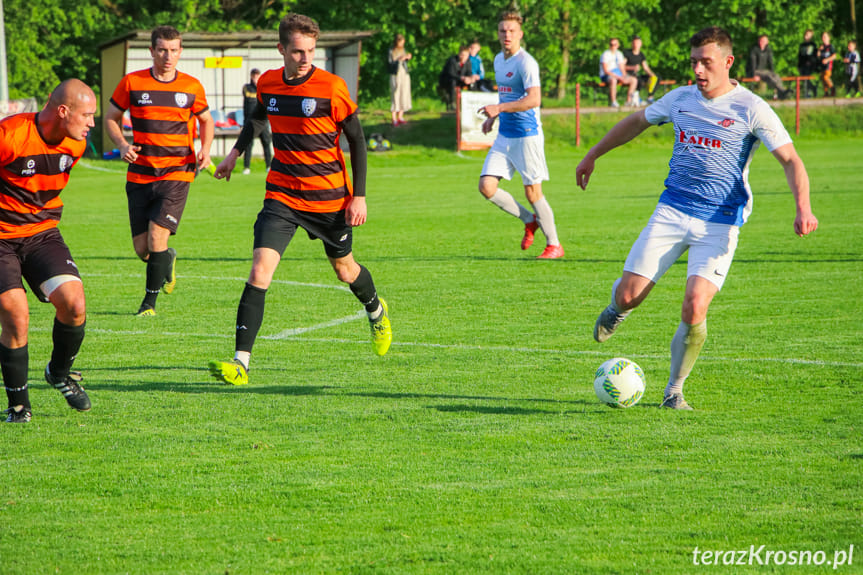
67,342
364,288
250,316
14,363
158,267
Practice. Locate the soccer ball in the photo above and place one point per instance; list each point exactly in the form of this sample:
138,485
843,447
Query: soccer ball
619,382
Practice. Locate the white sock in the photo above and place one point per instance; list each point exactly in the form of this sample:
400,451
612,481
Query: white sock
507,203
614,307
545,219
374,315
243,357
685,347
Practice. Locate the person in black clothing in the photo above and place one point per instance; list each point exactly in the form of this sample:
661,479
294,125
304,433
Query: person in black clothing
760,67
456,73
636,65
262,128
807,63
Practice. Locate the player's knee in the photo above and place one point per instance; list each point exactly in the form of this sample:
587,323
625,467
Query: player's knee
487,188
695,307
345,272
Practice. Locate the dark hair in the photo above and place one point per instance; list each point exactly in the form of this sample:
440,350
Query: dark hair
255,72
711,35
165,33
511,15
293,23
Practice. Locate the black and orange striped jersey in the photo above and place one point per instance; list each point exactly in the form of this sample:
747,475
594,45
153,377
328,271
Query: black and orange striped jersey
32,175
163,124
308,168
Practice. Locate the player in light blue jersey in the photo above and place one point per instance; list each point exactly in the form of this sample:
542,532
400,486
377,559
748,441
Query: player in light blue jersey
718,124
519,146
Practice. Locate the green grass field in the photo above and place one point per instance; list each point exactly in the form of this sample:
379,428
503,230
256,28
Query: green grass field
477,443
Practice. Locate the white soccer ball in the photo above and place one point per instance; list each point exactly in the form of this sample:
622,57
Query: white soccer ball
619,382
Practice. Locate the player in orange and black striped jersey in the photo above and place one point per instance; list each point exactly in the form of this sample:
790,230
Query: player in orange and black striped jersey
37,152
307,186
164,104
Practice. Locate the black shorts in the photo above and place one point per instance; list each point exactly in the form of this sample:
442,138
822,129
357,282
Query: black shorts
161,202
277,223
35,259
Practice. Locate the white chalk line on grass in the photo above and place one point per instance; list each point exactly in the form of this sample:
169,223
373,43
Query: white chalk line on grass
90,166
291,334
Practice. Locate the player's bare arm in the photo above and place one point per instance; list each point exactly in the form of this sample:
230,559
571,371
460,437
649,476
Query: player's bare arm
531,100
805,221
624,131
114,127
208,130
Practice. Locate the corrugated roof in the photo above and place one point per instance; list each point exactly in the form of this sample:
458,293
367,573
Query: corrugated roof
250,38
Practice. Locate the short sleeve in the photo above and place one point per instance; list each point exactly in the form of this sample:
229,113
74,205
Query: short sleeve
120,97
531,74
659,112
200,106
7,145
767,127
341,104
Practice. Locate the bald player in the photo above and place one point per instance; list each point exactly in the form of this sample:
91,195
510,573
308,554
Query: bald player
37,152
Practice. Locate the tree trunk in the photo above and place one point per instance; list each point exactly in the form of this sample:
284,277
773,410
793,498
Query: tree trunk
565,41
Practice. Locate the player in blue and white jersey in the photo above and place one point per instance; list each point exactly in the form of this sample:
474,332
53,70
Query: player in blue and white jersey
718,125
519,146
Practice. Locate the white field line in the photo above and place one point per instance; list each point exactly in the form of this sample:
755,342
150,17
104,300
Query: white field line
88,165
291,334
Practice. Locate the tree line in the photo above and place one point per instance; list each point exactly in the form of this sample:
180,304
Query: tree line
51,40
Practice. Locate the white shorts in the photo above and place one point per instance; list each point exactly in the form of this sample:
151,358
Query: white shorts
669,233
523,155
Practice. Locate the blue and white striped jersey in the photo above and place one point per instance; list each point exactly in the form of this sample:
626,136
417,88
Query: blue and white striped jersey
714,144
514,76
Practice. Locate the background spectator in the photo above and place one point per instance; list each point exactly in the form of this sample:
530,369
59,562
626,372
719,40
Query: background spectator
611,71
760,66
807,62
636,65
826,55
456,73
852,70
400,80
262,128
477,69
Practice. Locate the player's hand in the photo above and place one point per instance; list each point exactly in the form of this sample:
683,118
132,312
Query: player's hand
805,224
583,172
129,153
488,126
226,166
491,111
203,160
356,213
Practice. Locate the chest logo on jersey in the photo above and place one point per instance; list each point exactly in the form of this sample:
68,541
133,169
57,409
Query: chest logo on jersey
65,162
30,169
272,107
309,105
726,123
692,141
144,99
509,74
504,89
181,99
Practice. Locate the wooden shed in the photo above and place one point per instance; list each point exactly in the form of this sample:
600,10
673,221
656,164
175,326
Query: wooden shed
222,62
